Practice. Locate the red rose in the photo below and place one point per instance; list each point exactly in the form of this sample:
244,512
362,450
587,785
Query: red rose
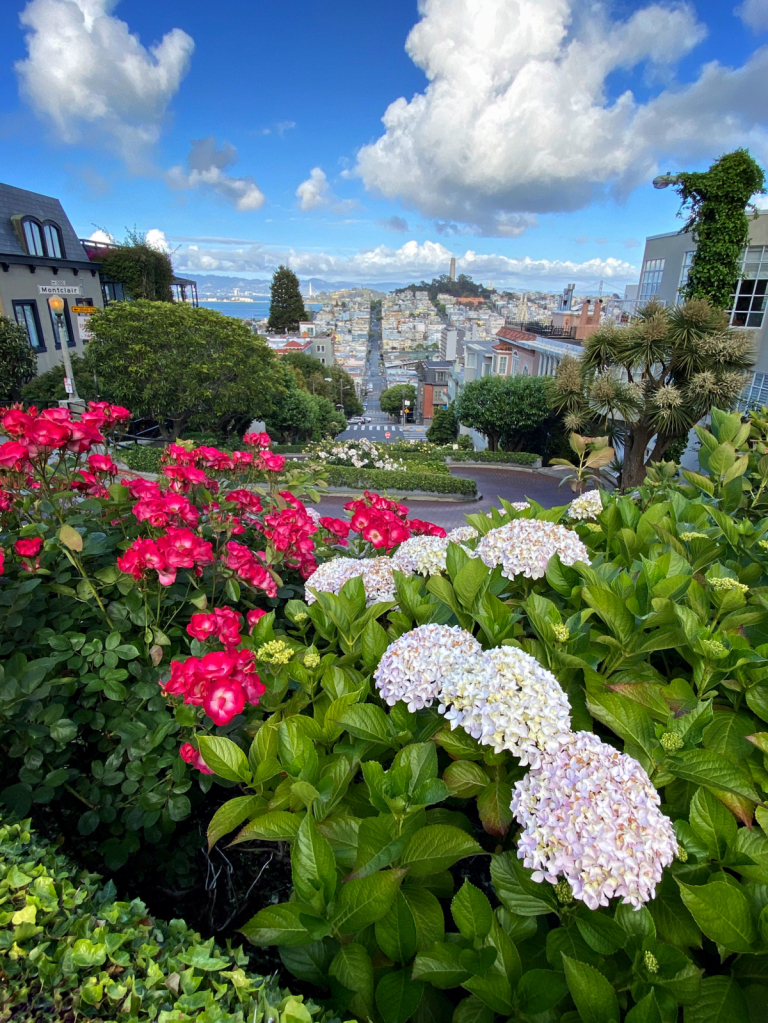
13,455
28,548
272,462
252,617
102,463
224,700
44,434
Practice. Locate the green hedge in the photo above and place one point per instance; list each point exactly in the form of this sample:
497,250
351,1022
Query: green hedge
289,449
384,479
142,458
69,947
510,457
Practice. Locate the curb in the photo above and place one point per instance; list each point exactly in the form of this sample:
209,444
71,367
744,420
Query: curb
494,465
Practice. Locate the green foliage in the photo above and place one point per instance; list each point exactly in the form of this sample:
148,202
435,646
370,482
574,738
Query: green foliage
655,377
386,479
68,945
145,272
462,287
500,457
339,389
286,308
49,386
181,365
512,412
18,360
716,203
142,458
444,426
393,399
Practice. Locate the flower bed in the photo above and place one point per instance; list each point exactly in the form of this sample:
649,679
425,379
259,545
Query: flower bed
405,481
359,453
69,946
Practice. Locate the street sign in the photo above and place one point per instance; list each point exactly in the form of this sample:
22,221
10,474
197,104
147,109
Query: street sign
68,386
59,289
89,309
82,327
387,434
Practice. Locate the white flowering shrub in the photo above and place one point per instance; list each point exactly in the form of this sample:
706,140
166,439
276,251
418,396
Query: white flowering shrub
590,816
362,453
524,547
586,507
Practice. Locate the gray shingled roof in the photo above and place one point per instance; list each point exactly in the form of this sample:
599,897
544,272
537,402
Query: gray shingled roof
44,207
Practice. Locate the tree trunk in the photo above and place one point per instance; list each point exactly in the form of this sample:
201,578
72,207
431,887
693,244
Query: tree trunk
660,447
633,468
493,441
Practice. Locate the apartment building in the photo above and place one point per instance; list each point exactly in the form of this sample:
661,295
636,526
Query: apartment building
666,263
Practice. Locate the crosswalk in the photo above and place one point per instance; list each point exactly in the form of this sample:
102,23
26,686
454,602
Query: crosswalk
370,427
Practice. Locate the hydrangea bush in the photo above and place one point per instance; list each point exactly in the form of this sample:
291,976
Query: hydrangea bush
360,454
531,782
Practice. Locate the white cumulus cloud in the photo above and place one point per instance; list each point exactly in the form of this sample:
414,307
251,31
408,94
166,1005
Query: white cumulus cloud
92,79
412,261
155,239
517,120
754,13
206,168
315,193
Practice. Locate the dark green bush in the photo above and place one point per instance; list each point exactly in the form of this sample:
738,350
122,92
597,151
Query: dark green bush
68,946
142,458
383,479
509,457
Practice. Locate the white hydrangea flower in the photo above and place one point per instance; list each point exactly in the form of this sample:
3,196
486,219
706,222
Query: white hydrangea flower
422,554
524,547
358,453
313,514
509,701
416,666
462,533
330,576
586,507
520,505
591,815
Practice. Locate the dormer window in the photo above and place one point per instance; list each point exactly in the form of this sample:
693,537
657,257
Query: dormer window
53,240
40,238
33,236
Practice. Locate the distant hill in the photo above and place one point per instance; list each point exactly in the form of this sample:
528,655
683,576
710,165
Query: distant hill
211,285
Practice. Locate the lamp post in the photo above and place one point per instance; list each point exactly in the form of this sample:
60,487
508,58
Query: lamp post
56,304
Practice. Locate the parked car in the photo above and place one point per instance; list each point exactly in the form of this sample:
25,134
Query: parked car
355,420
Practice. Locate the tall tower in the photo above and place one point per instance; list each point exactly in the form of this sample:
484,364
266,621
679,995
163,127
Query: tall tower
452,273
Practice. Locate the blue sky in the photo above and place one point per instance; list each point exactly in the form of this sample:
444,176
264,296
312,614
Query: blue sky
521,138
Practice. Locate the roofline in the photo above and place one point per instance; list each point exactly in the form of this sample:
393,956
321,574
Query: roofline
35,261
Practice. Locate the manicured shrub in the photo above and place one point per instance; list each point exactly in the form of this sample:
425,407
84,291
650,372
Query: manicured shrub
508,457
381,479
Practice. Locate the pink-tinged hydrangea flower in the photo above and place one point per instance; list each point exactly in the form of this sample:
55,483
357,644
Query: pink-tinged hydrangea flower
419,664
591,815
586,507
424,555
524,547
520,505
331,575
509,701
462,533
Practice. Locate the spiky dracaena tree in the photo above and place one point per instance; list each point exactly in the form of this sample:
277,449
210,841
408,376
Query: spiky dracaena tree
651,380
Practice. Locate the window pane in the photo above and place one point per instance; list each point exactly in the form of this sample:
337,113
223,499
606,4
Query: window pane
34,238
52,241
25,317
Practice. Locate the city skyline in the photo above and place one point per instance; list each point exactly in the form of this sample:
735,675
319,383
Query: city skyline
525,149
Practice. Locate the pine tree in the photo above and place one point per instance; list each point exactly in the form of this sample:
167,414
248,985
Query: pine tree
286,309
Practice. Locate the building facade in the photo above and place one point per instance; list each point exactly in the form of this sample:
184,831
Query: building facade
666,263
40,256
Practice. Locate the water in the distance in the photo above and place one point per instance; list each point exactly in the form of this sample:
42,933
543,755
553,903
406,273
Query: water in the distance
256,310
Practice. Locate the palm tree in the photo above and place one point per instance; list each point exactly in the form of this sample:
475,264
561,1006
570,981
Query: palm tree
653,379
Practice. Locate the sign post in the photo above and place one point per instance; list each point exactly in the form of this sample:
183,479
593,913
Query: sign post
56,303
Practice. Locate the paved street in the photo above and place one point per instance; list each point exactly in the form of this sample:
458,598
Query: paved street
382,427
492,482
